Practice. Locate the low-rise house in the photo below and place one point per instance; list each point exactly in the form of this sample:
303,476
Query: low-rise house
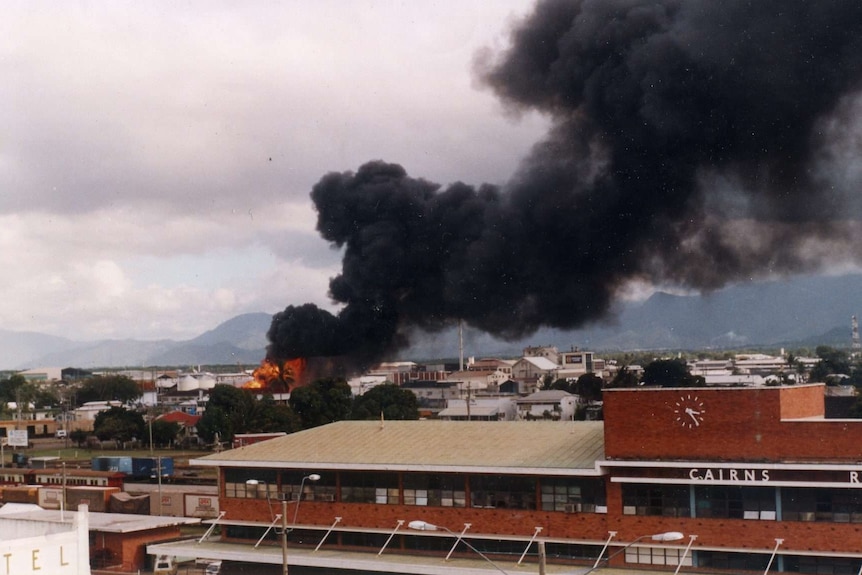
529,372
548,352
91,409
361,384
480,409
469,382
548,404
432,396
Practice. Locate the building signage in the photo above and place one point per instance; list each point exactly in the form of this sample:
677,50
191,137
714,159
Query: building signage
18,437
743,475
786,476
54,554
729,474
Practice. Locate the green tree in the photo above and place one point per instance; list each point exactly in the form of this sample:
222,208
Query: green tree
229,411
119,423
589,387
45,398
164,432
79,436
670,373
11,389
624,377
832,362
109,388
214,425
395,403
269,416
322,401
561,385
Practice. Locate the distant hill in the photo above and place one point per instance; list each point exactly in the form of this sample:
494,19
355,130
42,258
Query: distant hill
802,312
241,339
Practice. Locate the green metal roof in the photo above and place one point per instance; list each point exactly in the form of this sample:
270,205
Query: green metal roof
527,447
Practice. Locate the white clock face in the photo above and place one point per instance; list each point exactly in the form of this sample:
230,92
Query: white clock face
688,411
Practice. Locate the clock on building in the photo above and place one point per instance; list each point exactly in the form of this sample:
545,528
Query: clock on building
688,411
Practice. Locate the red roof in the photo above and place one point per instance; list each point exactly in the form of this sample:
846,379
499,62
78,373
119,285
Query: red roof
180,417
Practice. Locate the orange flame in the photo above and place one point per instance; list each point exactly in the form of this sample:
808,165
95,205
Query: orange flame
271,376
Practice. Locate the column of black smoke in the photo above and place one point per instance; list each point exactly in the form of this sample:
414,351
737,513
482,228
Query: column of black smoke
687,148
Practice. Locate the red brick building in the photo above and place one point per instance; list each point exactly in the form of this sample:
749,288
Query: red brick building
754,479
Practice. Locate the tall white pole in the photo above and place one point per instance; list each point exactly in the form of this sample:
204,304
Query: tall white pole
460,345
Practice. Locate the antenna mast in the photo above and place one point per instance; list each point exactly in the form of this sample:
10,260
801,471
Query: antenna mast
461,345
855,345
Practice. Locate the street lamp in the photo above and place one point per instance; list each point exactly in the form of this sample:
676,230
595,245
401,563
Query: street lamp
425,526
284,531
667,536
253,484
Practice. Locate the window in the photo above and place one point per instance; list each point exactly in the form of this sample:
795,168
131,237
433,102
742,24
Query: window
821,565
379,488
434,490
573,495
733,561
826,505
500,491
321,490
661,500
657,556
262,486
722,501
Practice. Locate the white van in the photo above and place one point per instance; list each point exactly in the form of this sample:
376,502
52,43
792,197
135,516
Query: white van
60,433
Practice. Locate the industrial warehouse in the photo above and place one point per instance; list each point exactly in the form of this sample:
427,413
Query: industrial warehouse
746,479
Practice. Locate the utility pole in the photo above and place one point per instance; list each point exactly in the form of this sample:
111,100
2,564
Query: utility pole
284,534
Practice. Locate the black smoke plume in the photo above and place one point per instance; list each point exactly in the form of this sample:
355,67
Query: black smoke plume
693,143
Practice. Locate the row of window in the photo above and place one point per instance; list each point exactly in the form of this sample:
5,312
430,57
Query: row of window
563,494
729,502
434,490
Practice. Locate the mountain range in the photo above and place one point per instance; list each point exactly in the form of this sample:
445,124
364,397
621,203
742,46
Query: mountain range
800,312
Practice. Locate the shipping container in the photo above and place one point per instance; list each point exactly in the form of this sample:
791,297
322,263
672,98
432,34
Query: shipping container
97,498
49,497
122,464
203,506
152,466
20,494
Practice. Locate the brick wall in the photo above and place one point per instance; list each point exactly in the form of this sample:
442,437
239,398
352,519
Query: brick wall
129,549
735,424
518,522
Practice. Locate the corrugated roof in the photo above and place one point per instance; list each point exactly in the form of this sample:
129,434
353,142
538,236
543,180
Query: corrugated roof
541,363
544,396
475,410
569,448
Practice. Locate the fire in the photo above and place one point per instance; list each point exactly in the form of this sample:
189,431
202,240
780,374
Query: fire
274,377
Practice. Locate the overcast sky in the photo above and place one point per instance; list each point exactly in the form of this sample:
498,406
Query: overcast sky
156,157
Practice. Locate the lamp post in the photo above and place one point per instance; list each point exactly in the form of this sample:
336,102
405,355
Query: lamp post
284,531
425,526
668,536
